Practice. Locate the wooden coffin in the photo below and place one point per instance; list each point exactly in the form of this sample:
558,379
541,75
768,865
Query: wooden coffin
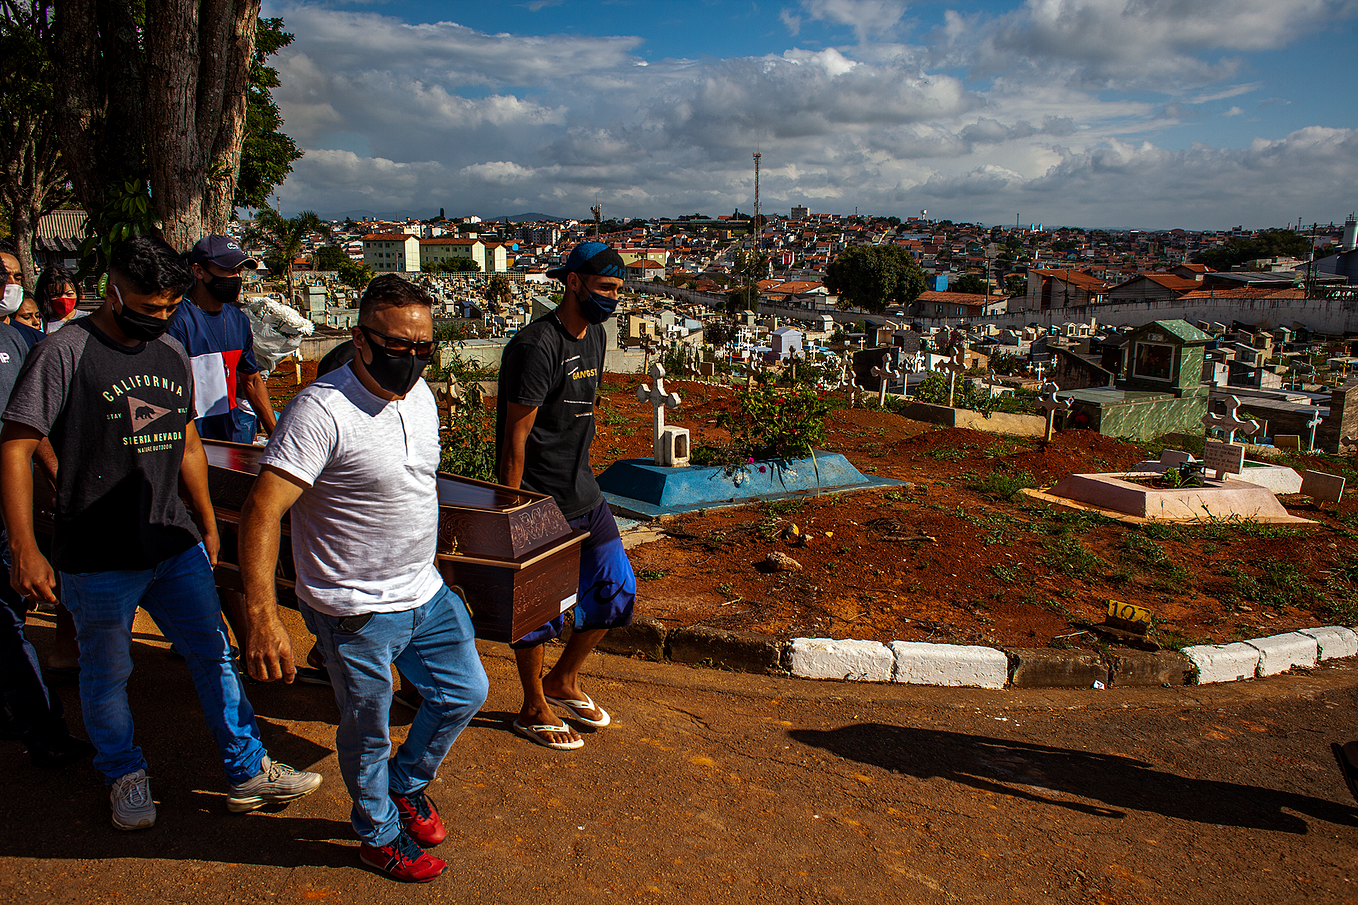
509,553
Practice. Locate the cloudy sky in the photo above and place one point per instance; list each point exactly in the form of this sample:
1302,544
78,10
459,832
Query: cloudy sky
1153,114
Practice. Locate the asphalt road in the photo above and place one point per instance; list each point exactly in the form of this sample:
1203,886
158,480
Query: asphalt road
719,787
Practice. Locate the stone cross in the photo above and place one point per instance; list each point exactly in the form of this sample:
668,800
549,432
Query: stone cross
1230,422
1313,422
954,366
887,373
659,400
753,368
1049,402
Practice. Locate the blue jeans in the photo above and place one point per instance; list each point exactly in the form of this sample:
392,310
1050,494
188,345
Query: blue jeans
180,596
434,647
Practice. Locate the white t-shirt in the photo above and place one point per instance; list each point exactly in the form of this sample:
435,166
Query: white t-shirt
365,530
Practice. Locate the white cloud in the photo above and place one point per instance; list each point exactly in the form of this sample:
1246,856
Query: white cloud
868,18
400,116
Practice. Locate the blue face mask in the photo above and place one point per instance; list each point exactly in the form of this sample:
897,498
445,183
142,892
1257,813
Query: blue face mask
597,308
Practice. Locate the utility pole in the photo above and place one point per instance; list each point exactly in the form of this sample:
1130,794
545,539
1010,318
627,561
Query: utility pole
598,213
755,232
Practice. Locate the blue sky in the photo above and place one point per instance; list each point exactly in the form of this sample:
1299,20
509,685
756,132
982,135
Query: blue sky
1126,113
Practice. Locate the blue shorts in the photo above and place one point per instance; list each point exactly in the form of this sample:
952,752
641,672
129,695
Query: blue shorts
608,589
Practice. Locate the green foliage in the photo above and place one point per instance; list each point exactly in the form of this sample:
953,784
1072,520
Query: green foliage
873,277
966,395
127,212
1070,558
354,274
746,298
972,283
267,154
330,257
469,441
774,424
1269,244
498,294
1003,483
283,238
452,265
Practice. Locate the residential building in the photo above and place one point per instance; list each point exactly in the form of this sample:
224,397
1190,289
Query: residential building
392,253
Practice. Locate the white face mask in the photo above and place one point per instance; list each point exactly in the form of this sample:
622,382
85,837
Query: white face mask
14,297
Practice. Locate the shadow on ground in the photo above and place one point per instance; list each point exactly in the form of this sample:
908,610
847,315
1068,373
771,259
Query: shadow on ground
1071,779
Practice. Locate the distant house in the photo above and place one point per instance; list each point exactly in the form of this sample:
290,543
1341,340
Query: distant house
959,305
57,238
1152,287
391,253
1061,288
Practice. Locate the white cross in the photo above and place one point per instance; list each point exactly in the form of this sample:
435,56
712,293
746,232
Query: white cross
887,373
954,366
1313,423
1230,422
1048,401
660,400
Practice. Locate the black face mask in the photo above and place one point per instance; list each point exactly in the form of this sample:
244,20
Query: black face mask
135,325
397,374
224,289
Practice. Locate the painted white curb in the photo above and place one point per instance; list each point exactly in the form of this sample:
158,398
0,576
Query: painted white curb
920,663
1279,653
1334,641
826,658
1223,662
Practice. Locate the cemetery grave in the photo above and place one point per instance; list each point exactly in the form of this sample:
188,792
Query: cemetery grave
959,556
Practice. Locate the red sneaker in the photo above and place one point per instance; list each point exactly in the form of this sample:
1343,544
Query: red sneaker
401,859
419,819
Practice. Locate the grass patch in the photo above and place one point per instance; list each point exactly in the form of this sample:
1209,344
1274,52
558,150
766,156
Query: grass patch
1003,484
1072,559
652,574
1003,574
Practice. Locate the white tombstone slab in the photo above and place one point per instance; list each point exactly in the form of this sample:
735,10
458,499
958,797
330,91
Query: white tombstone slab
1173,458
1334,641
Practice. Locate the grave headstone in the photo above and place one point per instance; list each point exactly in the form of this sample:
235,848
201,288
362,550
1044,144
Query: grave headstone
1050,403
1321,487
1173,458
1230,422
664,441
1287,442
886,373
1223,458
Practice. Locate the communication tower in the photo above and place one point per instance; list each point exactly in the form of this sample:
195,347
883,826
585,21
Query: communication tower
756,232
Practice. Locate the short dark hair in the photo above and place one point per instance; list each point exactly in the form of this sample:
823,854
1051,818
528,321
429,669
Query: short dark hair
390,291
151,265
52,281
8,248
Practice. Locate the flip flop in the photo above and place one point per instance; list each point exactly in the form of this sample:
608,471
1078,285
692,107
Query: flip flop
1347,767
587,705
531,733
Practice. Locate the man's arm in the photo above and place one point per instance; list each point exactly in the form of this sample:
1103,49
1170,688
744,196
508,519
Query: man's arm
193,481
518,425
258,395
31,574
268,649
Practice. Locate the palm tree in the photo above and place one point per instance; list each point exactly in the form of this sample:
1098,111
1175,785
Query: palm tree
283,237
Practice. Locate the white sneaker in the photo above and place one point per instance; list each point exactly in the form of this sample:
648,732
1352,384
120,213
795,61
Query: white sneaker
133,808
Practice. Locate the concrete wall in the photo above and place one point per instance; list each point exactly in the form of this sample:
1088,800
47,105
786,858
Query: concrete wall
1144,419
1321,315
994,423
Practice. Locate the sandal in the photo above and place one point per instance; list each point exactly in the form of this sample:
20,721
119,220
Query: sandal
586,705
532,733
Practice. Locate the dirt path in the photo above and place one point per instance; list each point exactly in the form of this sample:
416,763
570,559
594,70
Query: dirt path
717,788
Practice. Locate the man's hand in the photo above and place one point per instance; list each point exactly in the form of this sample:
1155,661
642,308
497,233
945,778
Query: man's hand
31,575
268,650
211,541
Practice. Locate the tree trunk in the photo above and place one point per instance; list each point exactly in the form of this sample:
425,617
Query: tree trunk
99,100
198,66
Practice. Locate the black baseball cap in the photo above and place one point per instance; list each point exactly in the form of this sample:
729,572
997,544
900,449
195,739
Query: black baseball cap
222,251
591,259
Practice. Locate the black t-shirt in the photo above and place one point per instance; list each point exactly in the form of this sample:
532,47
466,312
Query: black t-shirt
116,418
548,369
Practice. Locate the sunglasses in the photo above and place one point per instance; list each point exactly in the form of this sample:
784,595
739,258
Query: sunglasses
398,346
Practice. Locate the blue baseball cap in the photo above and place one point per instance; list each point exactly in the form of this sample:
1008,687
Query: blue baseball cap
222,251
591,259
